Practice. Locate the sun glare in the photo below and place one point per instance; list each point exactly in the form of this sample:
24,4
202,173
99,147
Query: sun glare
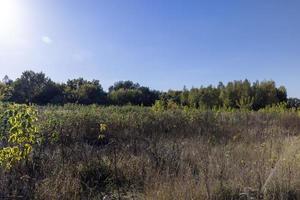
9,17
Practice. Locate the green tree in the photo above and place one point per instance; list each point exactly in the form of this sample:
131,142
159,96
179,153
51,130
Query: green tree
127,92
194,97
265,94
84,92
209,97
184,97
52,93
5,92
282,94
293,103
29,87
126,85
125,96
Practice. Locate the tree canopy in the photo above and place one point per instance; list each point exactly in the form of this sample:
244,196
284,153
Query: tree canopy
39,89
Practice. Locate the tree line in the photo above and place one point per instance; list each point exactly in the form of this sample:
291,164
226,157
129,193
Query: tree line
39,89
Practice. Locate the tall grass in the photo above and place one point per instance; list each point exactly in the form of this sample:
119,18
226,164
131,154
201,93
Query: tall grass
160,154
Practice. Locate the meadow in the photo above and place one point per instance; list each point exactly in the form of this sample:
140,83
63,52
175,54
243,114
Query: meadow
136,152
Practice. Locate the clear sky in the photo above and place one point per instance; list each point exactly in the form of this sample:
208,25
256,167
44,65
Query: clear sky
159,43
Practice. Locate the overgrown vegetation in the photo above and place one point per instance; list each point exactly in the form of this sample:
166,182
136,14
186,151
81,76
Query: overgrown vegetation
163,152
18,134
37,88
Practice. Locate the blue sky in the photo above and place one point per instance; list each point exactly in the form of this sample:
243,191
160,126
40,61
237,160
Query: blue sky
158,43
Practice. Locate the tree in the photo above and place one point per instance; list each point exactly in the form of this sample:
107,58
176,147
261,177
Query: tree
194,97
209,97
293,103
52,93
126,85
245,103
184,97
124,97
84,92
6,80
148,97
172,95
229,95
234,91
29,87
282,94
5,92
265,94
127,92
36,88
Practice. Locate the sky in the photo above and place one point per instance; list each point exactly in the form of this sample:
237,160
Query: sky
163,44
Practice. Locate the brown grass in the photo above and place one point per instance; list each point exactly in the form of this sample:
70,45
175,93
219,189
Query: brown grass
167,155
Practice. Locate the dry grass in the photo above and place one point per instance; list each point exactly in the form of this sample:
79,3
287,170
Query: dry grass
168,155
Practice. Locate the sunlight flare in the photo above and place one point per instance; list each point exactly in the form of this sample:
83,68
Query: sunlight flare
9,18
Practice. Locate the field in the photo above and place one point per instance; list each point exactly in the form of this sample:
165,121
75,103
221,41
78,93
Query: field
135,152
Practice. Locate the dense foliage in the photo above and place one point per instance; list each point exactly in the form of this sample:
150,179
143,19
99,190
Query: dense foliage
18,134
39,89
135,152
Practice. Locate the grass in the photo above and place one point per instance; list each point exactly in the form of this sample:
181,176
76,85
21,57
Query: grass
171,154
